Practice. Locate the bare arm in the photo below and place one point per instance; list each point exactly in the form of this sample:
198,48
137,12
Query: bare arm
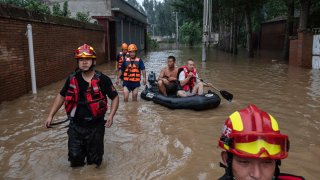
58,102
114,108
161,74
185,81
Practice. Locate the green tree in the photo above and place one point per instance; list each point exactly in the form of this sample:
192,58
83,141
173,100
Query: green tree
191,10
35,5
65,9
56,10
165,19
190,33
83,17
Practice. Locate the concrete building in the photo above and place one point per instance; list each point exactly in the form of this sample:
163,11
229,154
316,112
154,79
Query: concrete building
120,21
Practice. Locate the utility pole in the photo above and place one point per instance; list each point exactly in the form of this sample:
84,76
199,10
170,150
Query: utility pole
177,29
153,29
207,4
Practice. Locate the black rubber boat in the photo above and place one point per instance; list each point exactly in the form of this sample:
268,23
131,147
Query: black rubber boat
206,101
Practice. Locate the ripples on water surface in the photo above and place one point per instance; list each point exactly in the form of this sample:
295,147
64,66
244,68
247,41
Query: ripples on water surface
148,141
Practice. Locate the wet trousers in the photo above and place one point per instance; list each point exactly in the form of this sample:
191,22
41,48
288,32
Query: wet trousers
85,141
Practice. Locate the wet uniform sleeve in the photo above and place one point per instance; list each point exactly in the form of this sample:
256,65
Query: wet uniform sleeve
123,66
64,90
117,57
108,88
141,65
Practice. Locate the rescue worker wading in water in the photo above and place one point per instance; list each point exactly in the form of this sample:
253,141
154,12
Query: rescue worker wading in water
84,96
122,56
253,147
132,69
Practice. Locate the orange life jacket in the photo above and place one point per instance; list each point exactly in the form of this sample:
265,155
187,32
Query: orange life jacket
120,61
192,81
94,98
132,71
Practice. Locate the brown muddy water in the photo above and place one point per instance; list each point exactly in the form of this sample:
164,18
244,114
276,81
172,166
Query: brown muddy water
148,141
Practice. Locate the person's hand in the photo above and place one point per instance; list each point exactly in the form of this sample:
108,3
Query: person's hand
48,122
109,122
190,75
144,82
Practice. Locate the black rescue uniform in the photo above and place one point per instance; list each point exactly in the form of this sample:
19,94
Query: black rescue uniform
86,133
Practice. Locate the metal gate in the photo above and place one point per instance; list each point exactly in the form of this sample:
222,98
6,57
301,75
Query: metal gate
316,49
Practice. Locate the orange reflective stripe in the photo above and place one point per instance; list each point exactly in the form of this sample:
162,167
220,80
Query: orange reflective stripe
132,71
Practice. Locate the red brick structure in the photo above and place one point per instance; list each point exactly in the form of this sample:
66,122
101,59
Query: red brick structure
301,50
54,40
273,32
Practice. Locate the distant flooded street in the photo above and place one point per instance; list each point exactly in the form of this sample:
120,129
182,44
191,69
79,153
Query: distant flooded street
149,141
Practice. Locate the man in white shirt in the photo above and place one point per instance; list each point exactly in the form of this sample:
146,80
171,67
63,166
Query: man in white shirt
190,85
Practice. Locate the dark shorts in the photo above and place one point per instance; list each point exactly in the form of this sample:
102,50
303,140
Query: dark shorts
171,88
131,85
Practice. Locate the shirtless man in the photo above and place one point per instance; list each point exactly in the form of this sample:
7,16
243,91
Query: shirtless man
167,82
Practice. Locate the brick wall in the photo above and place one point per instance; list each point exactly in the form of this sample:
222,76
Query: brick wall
54,40
272,35
300,53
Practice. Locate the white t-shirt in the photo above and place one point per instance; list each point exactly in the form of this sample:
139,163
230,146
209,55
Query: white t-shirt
183,77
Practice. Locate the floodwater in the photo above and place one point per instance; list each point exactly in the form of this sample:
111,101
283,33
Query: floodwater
148,141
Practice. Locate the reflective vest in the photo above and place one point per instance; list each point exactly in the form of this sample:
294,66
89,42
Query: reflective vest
94,98
192,81
132,71
120,61
284,176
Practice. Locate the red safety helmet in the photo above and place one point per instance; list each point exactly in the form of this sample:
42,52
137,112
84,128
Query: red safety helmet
252,133
85,51
132,47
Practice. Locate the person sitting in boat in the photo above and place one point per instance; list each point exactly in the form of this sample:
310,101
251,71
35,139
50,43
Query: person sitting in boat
167,82
253,146
189,83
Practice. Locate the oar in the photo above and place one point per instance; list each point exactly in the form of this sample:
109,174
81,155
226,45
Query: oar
225,94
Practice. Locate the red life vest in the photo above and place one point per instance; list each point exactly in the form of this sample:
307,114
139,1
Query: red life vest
94,98
192,81
120,61
284,176
132,71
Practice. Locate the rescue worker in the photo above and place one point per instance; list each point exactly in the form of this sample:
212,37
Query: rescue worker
84,97
189,84
121,57
167,82
132,69
253,146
